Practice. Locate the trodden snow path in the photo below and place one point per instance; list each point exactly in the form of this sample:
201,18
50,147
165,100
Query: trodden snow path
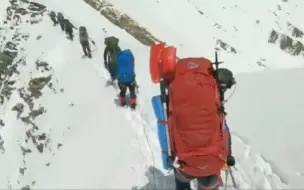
104,146
252,171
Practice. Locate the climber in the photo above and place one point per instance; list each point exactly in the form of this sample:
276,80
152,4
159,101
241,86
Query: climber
53,17
126,77
68,27
84,41
60,19
110,55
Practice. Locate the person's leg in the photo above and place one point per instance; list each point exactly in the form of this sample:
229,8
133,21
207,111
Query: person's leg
132,88
182,181
68,32
61,26
208,182
112,71
88,49
84,48
122,94
71,34
54,21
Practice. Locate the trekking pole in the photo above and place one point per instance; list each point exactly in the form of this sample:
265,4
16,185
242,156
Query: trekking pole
137,89
136,86
226,179
232,177
92,41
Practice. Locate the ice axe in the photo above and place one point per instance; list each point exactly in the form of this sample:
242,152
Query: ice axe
228,172
92,41
232,177
136,86
217,63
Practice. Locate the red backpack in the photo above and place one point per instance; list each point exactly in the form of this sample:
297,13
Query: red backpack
195,120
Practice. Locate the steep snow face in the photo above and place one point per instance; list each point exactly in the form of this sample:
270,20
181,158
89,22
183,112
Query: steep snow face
239,29
67,132
266,113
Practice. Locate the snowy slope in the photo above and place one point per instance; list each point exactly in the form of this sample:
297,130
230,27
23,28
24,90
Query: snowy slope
242,25
92,144
83,106
266,115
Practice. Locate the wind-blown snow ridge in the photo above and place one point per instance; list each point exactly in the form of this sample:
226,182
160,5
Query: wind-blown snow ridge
60,127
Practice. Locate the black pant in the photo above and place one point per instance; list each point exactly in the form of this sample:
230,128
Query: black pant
69,32
54,21
61,25
86,48
182,181
110,68
123,89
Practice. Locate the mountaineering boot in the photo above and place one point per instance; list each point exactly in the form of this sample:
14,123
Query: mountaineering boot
122,100
133,103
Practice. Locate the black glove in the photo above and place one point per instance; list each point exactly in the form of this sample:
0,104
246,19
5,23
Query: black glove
230,160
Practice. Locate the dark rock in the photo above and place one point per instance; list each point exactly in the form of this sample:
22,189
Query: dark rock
225,46
37,84
42,137
35,113
39,37
59,145
274,35
290,46
6,59
19,107
22,170
261,62
26,188
123,21
296,32
33,6
25,151
40,148
2,149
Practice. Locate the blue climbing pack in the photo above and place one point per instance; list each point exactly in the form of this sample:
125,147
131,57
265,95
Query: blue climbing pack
125,66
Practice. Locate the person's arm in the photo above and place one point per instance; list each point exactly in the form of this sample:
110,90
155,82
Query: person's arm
106,50
72,25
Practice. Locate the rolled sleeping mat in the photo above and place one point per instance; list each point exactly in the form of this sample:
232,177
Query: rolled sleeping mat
161,130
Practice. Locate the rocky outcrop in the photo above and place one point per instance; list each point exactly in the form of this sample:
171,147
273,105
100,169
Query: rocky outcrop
224,46
123,21
286,43
295,31
26,109
36,85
